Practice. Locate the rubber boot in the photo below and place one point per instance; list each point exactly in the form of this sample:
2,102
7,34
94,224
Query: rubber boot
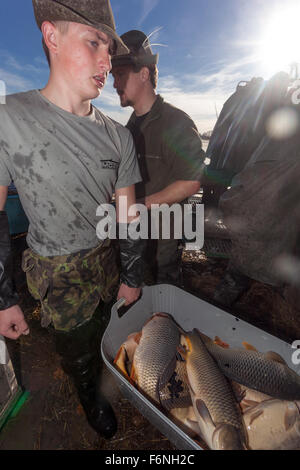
80,352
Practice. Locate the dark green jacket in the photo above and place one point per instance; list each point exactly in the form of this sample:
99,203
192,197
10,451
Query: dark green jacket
169,148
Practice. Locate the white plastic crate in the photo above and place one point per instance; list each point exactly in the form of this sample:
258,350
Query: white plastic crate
190,312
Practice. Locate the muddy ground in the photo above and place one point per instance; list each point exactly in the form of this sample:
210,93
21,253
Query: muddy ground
52,418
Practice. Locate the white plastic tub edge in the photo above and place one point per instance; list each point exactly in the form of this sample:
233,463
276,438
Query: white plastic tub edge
190,312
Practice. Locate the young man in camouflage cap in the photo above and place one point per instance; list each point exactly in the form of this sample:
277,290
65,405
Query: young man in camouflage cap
66,158
168,145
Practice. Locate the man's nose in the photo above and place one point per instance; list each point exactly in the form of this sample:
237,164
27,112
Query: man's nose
105,61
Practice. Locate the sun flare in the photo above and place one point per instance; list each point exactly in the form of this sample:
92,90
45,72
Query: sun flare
280,45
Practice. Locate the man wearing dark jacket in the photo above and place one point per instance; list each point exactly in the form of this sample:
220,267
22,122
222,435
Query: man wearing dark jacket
168,145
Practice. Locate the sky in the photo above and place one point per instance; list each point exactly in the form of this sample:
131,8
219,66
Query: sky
206,48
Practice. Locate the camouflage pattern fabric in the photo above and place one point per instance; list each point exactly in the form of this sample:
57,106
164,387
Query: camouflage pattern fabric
70,287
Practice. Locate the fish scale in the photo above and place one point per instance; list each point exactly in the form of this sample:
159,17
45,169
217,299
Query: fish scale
155,356
213,388
253,369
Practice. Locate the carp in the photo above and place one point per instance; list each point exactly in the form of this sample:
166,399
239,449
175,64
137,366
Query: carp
154,359
267,372
217,412
273,425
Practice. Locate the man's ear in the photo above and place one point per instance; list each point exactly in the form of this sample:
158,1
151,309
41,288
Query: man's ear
144,73
50,33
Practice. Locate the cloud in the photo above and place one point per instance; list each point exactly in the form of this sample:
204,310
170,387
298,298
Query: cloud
224,75
201,94
10,62
14,82
21,77
122,116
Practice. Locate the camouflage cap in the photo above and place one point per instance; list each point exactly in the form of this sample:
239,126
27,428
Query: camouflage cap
95,13
140,52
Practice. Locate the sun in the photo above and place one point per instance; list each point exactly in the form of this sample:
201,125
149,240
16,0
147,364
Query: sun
280,45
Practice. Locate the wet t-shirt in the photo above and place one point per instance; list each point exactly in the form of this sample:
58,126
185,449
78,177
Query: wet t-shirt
63,166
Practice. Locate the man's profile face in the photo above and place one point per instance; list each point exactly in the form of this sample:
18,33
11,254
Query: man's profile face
127,84
84,59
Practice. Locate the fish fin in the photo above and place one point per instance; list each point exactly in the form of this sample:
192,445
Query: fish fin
221,343
193,425
275,357
290,417
246,404
203,411
191,414
137,337
255,415
179,357
238,391
297,403
120,362
119,353
249,346
182,351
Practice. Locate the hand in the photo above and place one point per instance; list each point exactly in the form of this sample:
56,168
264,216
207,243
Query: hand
131,294
12,323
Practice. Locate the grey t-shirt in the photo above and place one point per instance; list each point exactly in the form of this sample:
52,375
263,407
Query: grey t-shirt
63,166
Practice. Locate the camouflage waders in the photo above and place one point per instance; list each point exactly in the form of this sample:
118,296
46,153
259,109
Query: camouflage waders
70,288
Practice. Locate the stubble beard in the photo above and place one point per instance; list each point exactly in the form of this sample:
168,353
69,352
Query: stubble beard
125,102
